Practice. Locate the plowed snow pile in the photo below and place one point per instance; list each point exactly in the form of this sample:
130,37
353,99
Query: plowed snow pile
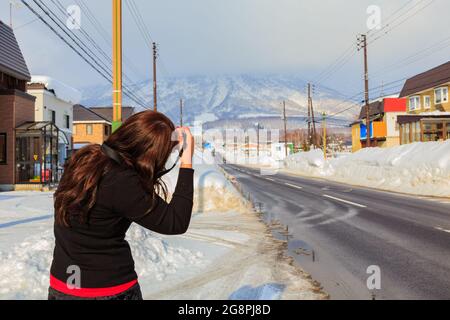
419,168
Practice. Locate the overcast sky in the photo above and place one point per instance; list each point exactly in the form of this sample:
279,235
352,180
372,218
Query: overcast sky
208,37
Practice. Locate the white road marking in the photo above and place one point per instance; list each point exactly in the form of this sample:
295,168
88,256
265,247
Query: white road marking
293,186
442,229
270,179
345,201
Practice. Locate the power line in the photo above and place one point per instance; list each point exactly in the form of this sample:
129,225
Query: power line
106,36
78,41
106,56
423,53
404,20
80,52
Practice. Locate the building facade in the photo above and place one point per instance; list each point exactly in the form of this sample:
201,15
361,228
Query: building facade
55,105
94,125
428,112
384,130
16,108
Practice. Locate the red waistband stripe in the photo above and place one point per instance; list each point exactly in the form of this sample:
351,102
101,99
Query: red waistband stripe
90,292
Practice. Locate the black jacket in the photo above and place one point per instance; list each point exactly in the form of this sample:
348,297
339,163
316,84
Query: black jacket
99,248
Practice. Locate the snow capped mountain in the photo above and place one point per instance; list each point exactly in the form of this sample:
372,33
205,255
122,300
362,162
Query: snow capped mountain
209,99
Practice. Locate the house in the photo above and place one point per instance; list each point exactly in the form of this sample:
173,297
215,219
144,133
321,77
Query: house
20,154
54,103
428,113
384,130
94,125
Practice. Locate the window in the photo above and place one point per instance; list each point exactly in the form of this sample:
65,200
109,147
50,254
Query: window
414,103
427,102
3,148
441,95
67,118
107,132
52,116
89,130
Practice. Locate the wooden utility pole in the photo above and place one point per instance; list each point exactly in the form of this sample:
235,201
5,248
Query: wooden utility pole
314,133
309,116
285,129
362,44
117,64
258,126
324,125
181,112
155,84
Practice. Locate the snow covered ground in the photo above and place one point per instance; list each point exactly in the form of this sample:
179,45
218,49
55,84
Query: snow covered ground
227,253
419,168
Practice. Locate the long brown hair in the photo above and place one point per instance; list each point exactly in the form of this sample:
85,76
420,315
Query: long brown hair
144,143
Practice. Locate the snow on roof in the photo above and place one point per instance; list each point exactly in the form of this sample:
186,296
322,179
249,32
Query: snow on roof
61,90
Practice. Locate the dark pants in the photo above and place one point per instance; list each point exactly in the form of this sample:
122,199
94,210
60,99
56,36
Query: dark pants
134,293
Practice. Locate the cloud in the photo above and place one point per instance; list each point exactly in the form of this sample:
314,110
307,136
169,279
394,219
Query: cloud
244,36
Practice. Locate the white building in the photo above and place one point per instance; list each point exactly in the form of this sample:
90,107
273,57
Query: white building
54,103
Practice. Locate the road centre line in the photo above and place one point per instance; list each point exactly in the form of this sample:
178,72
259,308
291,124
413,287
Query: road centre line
293,186
345,201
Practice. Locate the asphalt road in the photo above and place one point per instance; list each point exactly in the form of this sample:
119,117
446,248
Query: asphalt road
337,231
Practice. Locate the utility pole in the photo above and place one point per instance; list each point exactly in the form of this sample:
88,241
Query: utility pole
314,133
258,126
362,44
324,125
155,85
181,112
117,64
285,129
309,116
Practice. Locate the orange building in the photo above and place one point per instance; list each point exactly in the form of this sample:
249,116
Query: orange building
384,129
94,125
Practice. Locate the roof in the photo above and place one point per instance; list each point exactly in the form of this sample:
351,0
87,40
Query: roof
81,113
61,90
107,112
411,118
384,106
427,80
375,108
12,61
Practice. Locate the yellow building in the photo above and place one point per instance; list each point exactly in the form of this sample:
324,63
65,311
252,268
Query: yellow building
428,112
94,125
356,136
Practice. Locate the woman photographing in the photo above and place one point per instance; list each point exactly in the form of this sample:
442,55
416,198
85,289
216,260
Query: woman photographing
103,191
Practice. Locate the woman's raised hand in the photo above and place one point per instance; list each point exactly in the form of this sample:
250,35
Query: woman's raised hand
187,141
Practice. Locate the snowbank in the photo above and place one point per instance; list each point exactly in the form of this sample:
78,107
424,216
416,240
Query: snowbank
212,190
25,269
419,168
62,91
